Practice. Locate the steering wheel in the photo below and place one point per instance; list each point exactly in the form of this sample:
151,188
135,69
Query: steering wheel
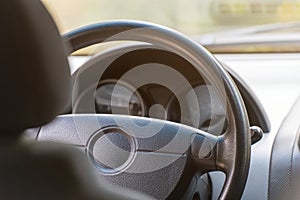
176,148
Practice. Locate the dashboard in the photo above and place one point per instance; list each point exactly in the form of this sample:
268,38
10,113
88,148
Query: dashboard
173,90
275,80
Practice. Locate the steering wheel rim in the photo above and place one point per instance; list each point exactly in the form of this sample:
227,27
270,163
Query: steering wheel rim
232,152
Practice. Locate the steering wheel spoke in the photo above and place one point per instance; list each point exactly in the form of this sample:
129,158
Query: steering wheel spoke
203,151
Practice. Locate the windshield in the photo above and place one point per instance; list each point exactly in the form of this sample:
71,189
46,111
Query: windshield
195,18
191,17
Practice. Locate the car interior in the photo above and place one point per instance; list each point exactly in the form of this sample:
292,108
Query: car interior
157,115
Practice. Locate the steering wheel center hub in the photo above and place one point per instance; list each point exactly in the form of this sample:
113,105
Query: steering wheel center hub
119,148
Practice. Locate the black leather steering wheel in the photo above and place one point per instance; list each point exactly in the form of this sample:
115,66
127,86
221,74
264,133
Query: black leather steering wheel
201,152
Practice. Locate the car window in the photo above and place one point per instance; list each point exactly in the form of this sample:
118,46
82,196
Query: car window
191,17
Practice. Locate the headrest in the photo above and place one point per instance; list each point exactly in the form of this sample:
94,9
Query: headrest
34,71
